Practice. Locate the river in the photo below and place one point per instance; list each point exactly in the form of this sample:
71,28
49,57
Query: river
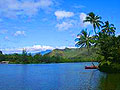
62,76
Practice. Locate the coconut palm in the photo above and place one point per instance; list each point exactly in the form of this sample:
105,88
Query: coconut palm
84,40
94,20
108,28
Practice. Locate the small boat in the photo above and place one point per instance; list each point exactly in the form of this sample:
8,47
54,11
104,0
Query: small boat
91,67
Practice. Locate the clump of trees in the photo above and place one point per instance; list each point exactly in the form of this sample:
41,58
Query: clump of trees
105,40
28,58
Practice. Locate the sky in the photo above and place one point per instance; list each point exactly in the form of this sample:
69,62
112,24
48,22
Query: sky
38,25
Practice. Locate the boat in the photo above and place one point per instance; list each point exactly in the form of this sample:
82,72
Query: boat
91,67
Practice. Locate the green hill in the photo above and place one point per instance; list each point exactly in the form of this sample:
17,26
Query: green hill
74,54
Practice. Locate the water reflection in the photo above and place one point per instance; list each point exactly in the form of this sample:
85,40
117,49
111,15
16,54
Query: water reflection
109,82
94,79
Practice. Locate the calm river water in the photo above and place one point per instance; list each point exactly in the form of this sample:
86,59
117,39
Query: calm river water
66,76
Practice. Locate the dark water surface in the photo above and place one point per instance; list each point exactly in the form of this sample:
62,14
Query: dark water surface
66,76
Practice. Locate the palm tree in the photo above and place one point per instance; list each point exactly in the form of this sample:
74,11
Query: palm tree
108,28
94,20
84,40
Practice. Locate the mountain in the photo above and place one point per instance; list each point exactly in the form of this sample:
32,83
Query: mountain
45,52
74,54
42,52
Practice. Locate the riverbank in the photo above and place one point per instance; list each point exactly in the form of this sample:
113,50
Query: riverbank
64,61
109,67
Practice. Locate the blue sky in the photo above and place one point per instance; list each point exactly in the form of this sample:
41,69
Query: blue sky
37,25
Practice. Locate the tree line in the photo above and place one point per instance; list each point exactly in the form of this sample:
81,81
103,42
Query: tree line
27,58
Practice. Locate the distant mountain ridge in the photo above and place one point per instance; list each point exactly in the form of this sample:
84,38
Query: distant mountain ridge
42,52
45,52
74,53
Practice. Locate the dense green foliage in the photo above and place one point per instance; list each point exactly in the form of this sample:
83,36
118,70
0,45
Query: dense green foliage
56,56
107,43
109,50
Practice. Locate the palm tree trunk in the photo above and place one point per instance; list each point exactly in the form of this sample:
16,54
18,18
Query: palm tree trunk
88,50
88,54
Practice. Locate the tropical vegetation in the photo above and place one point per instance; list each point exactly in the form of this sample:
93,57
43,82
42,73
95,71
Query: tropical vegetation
106,42
95,20
55,56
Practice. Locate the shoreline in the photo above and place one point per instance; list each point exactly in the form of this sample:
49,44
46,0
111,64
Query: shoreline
53,63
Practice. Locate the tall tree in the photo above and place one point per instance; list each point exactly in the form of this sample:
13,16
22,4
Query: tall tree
24,56
108,28
84,40
95,20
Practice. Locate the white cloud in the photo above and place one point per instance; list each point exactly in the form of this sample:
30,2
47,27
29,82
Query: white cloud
63,14
17,33
39,48
64,26
82,18
63,47
13,8
34,48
